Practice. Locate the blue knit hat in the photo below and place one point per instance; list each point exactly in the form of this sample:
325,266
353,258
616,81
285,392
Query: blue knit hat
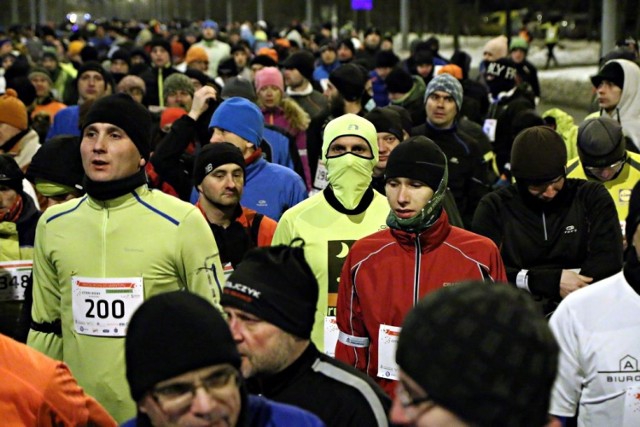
445,83
240,116
210,23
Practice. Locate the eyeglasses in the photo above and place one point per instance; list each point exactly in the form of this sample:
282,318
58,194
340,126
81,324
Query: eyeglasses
541,188
598,169
178,396
410,404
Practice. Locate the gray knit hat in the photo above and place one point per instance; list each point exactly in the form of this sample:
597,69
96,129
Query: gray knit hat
178,81
600,142
445,83
483,351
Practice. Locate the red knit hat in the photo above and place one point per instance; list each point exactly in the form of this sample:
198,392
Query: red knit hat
12,110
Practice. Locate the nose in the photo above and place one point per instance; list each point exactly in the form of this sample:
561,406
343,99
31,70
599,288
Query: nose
403,195
216,137
99,145
550,192
230,182
202,403
397,414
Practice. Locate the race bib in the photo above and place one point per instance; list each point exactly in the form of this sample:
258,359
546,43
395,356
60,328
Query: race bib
331,333
632,407
489,129
14,276
387,343
321,181
103,307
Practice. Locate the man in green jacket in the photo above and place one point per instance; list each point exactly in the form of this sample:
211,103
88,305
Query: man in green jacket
99,257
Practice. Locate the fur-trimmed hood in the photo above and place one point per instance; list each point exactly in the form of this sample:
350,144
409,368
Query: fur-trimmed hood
297,120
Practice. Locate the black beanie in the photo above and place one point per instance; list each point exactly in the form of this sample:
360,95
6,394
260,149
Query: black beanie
58,161
349,80
398,81
171,334
501,76
386,58
277,285
525,119
264,60
302,61
386,120
417,158
10,173
423,57
600,142
122,111
214,155
122,54
163,43
405,117
496,358
538,155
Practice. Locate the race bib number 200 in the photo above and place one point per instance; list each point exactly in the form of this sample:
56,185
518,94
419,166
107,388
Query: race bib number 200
103,307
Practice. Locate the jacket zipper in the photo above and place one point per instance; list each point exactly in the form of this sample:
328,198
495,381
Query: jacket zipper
544,226
416,280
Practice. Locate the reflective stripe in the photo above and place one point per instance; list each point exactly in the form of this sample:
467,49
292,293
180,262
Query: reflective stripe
522,280
353,341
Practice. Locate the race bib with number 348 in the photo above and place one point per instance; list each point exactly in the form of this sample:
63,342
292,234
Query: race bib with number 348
14,276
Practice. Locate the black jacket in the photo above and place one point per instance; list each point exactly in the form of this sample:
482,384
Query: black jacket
337,393
467,169
579,229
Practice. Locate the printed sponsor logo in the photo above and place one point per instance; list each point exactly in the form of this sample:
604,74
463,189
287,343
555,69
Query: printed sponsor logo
570,229
627,371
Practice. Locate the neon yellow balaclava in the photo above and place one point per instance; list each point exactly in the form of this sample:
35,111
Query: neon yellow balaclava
350,174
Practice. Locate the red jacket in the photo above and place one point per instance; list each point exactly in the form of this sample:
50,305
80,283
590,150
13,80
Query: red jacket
386,273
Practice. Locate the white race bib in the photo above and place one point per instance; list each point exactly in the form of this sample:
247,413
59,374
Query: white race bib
321,181
632,407
14,276
331,333
387,343
489,129
103,307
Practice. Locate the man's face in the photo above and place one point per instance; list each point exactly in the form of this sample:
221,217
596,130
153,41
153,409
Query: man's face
293,78
49,63
180,98
386,143
159,56
264,348
328,56
221,135
7,132
606,173
108,153
203,397
349,144
240,58
609,95
383,72
412,407
424,69
41,84
224,185
7,199
344,53
119,66
372,41
407,196
547,191
199,65
518,55
91,85
208,33
441,109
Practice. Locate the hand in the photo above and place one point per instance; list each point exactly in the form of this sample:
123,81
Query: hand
571,281
201,101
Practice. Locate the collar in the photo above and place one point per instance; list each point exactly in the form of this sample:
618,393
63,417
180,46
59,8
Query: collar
305,92
430,238
108,190
333,201
272,385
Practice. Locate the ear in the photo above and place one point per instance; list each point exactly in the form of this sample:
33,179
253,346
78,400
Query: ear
199,188
142,163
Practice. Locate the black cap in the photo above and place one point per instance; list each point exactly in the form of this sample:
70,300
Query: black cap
10,173
58,161
349,80
386,120
539,154
214,155
417,158
600,142
611,71
399,81
302,61
171,334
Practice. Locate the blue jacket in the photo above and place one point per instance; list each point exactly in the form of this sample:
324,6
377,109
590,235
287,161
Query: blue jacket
380,94
322,71
271,189
267,413
66,122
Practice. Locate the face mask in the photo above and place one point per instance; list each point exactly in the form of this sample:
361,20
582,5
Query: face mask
427,216
349,176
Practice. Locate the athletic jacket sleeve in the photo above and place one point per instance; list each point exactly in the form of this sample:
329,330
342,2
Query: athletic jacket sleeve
566,390
200,259
284,231
353,342
297,191
46,298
